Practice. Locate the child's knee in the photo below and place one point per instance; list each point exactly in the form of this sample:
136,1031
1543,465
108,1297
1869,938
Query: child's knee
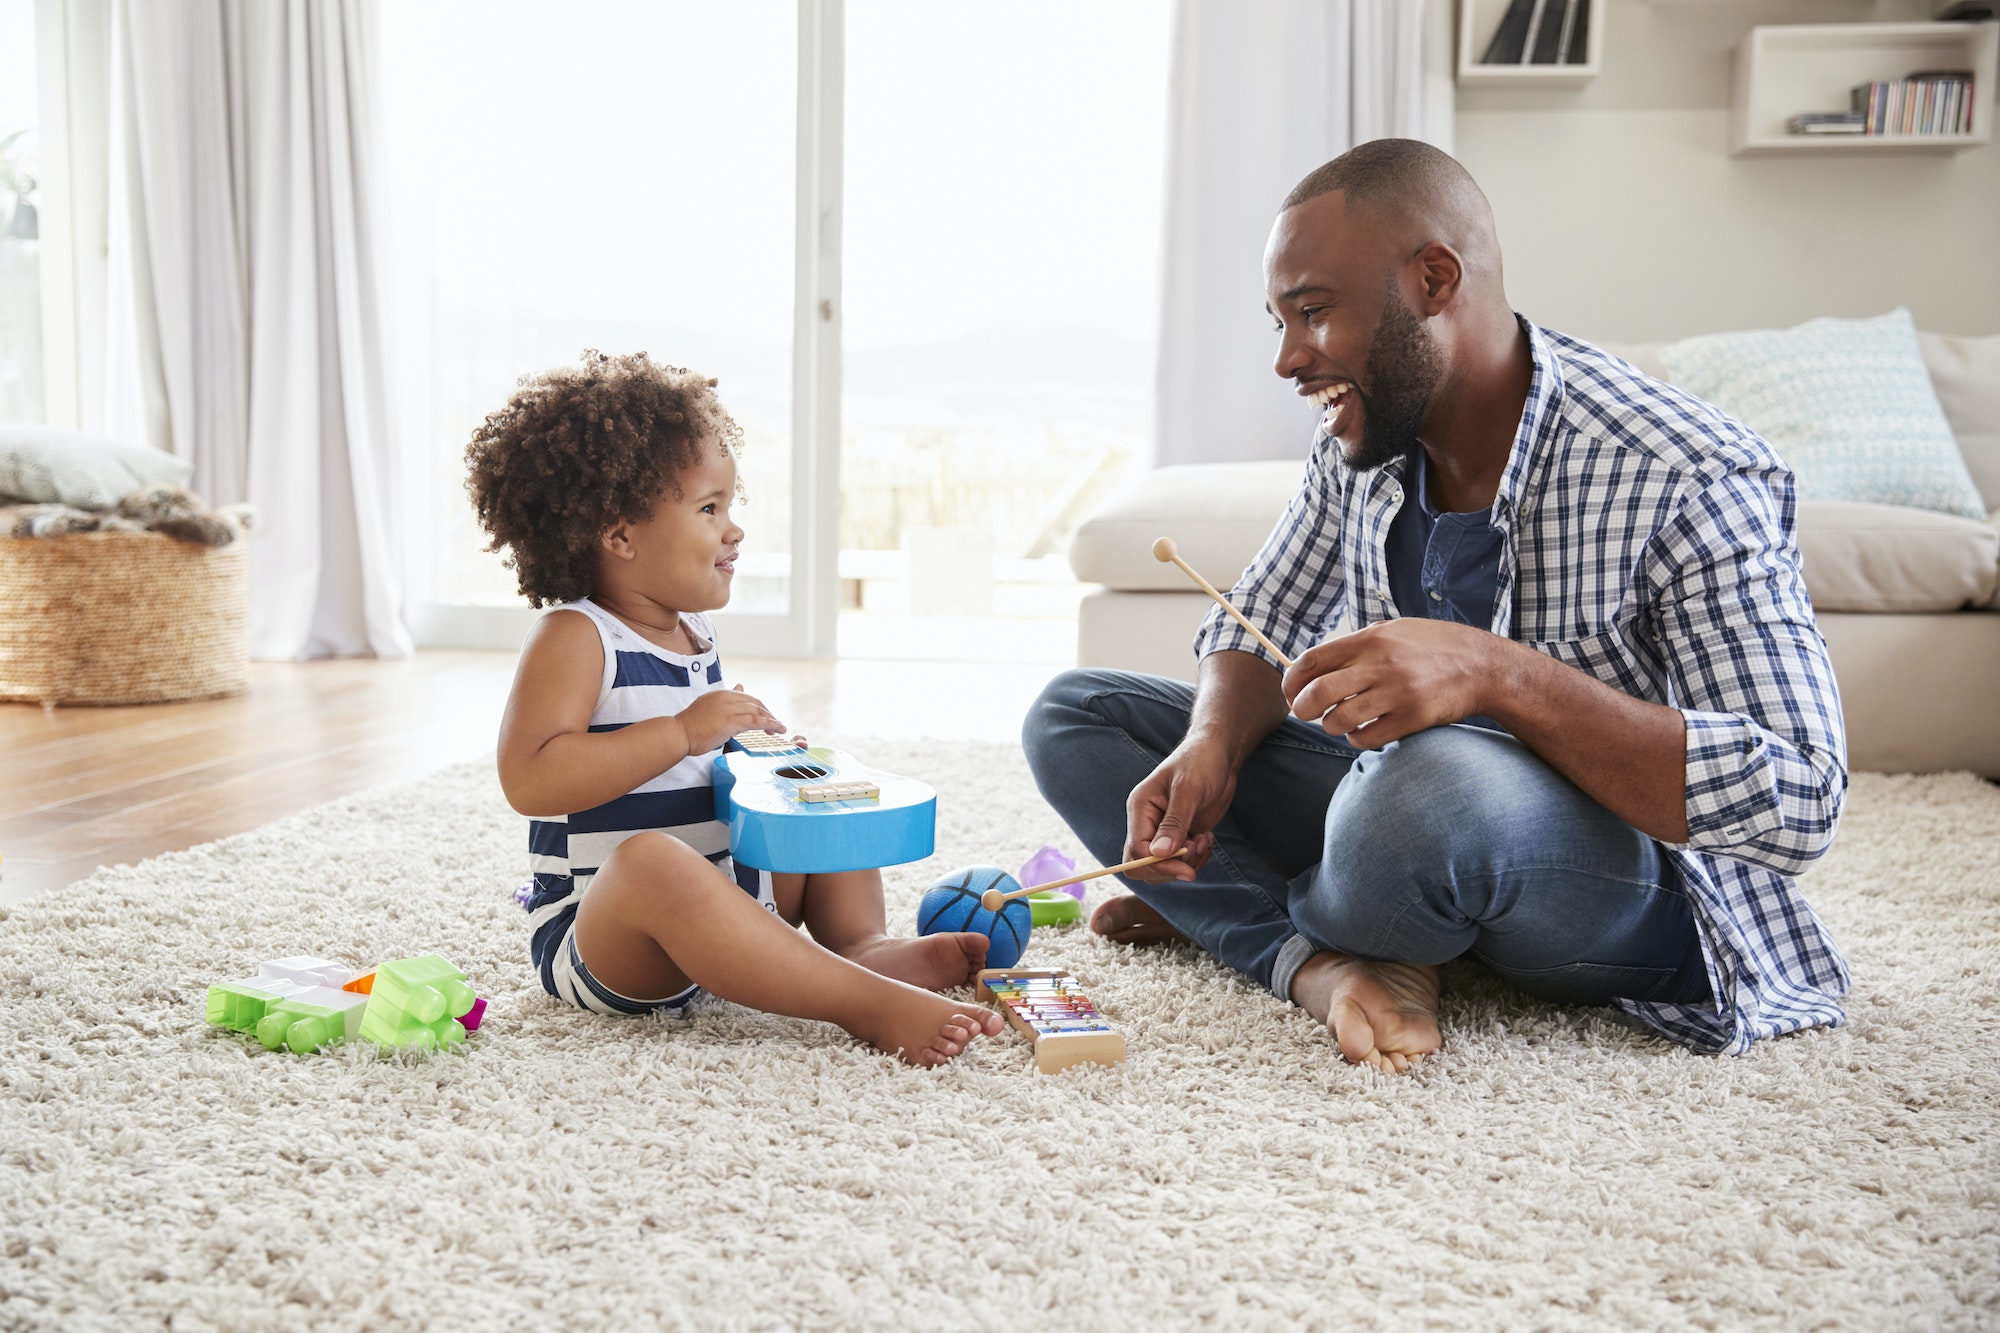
654,858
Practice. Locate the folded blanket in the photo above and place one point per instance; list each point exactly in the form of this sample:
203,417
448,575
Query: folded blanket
169,509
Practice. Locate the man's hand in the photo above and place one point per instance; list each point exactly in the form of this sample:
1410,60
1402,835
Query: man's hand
1395,678
720,714
1179,804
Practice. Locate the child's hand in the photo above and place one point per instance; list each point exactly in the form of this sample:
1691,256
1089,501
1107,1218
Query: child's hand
720,714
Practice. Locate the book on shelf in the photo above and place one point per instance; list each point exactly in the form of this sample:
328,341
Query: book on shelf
1827,122
1536,14
1928,102
1576,51
1510,39
1547,48
1540,32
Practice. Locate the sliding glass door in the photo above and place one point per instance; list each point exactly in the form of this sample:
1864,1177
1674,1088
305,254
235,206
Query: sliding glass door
625,175
693,179
1002,181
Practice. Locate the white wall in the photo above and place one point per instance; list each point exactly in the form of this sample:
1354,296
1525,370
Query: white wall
1622,216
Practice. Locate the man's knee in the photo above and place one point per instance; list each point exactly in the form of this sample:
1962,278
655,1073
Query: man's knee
1065,693
1443,810
1059,705
1065,703
1400,828
1439,789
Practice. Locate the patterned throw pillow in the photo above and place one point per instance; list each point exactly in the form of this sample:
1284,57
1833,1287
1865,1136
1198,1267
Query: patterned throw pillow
1846,402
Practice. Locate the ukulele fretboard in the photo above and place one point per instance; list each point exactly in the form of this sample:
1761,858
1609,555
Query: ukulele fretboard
765,743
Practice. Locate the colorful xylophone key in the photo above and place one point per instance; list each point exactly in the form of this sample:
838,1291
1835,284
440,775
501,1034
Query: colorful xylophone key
1052,1011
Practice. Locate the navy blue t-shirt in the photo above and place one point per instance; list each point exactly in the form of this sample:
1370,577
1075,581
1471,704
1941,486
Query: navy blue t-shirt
1442,566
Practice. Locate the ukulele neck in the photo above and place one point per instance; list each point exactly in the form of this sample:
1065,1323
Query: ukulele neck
765,745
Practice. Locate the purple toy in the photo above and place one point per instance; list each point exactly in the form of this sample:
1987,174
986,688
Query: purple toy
1048,864
470,1021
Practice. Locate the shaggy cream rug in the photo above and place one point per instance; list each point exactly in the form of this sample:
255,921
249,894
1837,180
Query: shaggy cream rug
1552,1170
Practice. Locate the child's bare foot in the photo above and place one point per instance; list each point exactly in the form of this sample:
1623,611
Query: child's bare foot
1130,919
921,1028
1383,1015
934,962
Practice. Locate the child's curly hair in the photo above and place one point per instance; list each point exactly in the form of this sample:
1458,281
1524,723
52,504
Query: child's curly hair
579,450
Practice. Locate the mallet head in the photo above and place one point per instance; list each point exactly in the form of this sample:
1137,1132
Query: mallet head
991,900
1164,550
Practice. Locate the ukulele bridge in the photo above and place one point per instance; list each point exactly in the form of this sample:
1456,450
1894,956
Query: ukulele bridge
818,792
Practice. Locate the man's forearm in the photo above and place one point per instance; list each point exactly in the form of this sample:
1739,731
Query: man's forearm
1630,755
1237,704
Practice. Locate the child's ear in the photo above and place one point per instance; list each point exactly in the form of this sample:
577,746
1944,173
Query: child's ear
617,539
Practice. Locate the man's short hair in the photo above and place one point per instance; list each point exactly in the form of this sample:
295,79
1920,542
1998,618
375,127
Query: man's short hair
1393,168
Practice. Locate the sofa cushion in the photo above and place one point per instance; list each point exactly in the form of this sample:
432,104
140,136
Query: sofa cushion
1847,402
1965,372
1644,357
1868,557
1217,513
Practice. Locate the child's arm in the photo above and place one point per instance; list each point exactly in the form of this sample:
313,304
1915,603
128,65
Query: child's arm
551,763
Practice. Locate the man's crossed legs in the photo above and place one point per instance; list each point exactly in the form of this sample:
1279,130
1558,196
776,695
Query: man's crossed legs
1341,878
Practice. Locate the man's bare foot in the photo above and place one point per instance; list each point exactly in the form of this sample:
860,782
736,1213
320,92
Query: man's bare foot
923,1029
1130,919
1383,1015
934,962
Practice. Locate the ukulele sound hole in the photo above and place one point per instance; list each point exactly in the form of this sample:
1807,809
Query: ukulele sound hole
802,772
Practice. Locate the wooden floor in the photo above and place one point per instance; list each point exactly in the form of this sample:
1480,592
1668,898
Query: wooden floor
82,788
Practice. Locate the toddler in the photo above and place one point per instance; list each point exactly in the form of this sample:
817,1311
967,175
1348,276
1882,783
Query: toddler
609,487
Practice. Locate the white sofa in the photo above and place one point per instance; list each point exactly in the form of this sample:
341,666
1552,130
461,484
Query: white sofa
1905,597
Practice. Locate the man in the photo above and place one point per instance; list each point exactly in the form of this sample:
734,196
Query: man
1558,702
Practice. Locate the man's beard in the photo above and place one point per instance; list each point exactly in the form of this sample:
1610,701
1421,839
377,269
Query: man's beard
1403,371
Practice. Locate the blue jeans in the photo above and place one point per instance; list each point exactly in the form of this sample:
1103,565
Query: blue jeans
1454,841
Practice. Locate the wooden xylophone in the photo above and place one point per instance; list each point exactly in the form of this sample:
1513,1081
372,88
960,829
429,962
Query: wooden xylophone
1058,1019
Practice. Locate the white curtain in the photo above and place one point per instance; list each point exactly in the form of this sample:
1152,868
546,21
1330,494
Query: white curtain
1263,91
243,311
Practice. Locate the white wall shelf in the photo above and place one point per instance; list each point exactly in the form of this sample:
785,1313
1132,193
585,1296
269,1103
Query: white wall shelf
1479,19
1783,71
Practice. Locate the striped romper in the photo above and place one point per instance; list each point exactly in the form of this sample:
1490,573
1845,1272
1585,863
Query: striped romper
641,681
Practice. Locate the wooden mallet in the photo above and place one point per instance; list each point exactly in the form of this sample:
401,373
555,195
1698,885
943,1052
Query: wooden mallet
992,899
1165,553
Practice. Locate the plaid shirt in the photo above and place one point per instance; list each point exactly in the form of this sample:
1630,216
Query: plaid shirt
1649,541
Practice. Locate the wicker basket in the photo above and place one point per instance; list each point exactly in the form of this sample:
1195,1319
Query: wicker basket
122,618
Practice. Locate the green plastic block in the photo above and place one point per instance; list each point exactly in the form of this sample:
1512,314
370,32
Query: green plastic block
417,1002
1054,908
241,1005
299,1027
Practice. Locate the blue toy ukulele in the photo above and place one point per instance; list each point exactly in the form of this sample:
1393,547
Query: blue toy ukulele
813,811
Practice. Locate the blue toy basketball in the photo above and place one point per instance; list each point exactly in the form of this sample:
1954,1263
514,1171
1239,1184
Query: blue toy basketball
952,904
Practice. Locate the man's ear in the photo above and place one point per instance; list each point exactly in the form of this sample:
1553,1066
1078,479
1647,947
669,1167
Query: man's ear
617,539
1442,272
